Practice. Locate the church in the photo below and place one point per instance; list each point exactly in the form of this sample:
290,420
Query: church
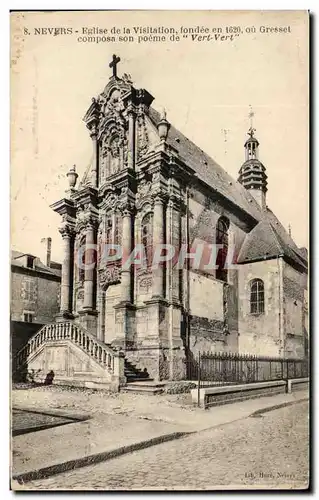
149,186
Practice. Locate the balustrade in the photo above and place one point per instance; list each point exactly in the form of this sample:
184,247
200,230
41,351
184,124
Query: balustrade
74,333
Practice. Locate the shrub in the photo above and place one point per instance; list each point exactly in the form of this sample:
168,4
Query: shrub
179,387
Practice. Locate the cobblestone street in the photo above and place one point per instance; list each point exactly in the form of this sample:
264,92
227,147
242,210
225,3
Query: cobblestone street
266,451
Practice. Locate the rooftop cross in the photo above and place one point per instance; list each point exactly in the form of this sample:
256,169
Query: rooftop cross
113,63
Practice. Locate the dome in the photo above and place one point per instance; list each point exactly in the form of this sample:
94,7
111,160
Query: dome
251,140
252,175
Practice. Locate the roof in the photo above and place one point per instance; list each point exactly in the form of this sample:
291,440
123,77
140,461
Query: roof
251,139
16,259
208,170
269,239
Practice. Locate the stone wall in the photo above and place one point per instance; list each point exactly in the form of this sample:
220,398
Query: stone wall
206,321
261,334
34,292
21,332
160,363
70,365
112,297
213,304
295,327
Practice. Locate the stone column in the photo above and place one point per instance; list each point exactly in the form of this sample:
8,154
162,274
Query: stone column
101,317
95,170
131,139
89,272
158,239
126,275
75,272
66,273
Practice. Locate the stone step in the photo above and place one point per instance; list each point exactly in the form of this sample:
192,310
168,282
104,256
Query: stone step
132,380
137,375
149,382
145,386
142,390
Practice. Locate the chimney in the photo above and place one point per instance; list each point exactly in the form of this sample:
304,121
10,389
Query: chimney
47,251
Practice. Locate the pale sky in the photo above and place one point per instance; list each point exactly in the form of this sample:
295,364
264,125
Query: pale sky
206,88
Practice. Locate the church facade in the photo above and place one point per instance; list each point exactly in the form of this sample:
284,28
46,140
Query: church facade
149,188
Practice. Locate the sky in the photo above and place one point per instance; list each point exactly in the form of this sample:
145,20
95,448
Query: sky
206,87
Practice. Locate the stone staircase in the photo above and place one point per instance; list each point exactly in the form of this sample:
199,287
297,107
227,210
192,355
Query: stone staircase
139,381
73,357
144,387
90,362
134,374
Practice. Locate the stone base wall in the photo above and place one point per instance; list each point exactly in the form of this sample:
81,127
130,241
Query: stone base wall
63,363
206,335
294,346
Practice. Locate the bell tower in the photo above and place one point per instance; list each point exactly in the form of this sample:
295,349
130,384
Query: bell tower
252,174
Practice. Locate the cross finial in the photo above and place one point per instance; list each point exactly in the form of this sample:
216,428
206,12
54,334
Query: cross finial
289,230
113,63
251,115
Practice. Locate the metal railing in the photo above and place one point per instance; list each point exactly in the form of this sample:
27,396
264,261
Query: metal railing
210,369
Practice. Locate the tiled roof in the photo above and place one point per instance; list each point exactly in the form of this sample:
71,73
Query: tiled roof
269,239
208,170
38,265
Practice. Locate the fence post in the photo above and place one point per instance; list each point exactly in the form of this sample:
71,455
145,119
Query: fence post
198,387
282,369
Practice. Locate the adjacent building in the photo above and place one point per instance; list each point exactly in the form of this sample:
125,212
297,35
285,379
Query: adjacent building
35,293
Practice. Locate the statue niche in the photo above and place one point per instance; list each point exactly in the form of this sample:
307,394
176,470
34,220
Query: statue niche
115,155
111,160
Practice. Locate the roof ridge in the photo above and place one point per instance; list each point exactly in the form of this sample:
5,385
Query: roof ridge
277,237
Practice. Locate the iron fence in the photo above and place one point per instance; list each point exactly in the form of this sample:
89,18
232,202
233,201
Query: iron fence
210,369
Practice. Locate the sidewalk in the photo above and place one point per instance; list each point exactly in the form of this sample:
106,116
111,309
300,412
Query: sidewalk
117,425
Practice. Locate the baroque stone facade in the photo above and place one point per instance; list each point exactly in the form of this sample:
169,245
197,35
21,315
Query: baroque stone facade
148,185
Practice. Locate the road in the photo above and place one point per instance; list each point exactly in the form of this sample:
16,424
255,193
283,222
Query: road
266,451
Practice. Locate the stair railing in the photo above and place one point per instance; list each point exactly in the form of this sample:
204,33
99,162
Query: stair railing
103,354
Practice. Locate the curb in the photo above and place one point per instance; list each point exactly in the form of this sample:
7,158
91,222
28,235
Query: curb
55,413
276,407
94,459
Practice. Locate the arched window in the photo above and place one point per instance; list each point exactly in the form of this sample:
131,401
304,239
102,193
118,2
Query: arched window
257,297
147,238
113,232
222,239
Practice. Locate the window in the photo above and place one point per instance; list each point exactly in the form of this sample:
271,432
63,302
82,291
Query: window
113,232
28,317
30,261
222,239
257,297
147,238
28,290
